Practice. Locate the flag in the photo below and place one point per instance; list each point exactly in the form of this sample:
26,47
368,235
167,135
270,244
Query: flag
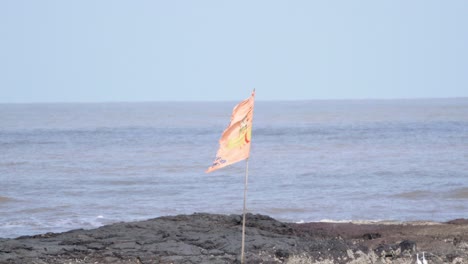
234,144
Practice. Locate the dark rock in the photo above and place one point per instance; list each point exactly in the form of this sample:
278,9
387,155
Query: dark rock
407,246
211,238
370,236
459,221
282,254
451,257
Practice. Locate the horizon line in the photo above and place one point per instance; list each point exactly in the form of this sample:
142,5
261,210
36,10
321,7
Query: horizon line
234,100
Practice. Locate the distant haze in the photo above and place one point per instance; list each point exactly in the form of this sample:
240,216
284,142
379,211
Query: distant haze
112,51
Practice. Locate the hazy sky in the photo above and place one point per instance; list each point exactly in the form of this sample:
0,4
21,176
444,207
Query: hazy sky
110,50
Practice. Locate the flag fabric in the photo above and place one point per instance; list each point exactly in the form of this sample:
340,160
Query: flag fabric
234,144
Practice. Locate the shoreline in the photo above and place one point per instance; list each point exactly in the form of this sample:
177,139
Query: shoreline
325,220
379,222
329,221
214,238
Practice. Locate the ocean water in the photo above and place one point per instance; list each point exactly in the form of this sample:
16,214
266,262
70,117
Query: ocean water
67,166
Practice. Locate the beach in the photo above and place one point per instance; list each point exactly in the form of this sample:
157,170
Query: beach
216,238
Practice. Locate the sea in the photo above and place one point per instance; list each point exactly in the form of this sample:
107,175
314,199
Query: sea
66,166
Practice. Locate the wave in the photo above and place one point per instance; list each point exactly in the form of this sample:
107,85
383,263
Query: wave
4,199
26,142
379,222
360,222
12,163
282,210
30,226
460,193
414,195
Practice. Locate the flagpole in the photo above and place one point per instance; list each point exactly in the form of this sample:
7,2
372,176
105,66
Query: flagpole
243,217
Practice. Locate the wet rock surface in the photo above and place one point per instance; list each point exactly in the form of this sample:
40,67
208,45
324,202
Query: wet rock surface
211,238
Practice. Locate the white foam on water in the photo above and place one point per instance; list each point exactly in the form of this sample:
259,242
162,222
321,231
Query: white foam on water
31,226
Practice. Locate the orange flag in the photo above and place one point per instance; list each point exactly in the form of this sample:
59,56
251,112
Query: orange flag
234,144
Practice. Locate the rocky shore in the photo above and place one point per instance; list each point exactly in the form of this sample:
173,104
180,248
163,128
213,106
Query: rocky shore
210,238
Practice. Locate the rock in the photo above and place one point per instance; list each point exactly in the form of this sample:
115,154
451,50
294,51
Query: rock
282,254
408,247
211,238
370,236
459,221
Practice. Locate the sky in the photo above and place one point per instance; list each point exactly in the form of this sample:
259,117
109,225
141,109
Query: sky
114,51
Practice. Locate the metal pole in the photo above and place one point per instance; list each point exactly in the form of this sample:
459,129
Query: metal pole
243,218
